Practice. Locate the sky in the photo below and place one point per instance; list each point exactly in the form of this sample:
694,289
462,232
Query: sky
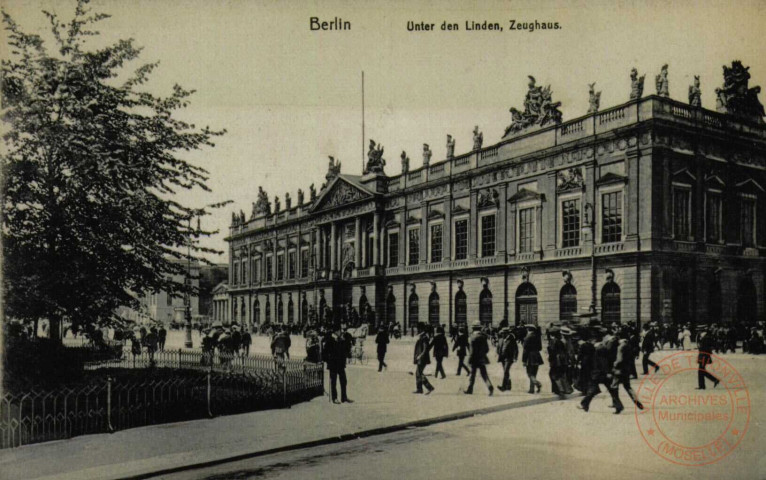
289,96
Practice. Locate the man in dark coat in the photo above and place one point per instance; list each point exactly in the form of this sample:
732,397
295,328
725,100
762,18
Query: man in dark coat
704,359
162,335
557,360
647,347
461,345
600,372
382,340
441,351
585,354
621,372
507,353
478,359
421,358
246,340
334,353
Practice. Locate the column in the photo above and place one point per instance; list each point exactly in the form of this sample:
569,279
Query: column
357,243
424,232
473,221
403,240
500,234
376,243
274,258
286,264
383,234
312,248
365,253
333,246
539,225
447,231
549,214
631,197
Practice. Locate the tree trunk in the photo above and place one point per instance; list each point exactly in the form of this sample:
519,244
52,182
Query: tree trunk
54,327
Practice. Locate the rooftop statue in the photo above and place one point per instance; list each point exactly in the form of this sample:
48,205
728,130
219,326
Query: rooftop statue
539,109
234,219
450,146
375,161
312,193
276,205
426,154
288,201
695,94
300,197
333,170
261,206
636,85
735,97
661,82
242,220
478,138
405,162
594,99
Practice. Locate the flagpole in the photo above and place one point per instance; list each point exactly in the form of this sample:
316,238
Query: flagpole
362,120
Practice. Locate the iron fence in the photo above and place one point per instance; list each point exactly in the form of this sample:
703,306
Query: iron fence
183,385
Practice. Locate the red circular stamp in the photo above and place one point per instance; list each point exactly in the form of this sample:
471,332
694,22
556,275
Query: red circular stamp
687,425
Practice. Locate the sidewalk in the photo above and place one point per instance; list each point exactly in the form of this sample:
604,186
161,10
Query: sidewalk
380,400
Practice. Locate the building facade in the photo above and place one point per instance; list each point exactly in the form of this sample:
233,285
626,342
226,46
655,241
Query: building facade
650,210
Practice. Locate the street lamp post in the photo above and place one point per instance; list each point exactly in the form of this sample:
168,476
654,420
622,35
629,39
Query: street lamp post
589,227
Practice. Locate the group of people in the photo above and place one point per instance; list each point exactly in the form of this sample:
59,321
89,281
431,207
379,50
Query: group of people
229,342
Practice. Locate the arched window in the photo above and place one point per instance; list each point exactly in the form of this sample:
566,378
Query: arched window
485,307
412,312
747,302
290,311
610,303
461,308
433,309
567,301
526,304
391,309
256,312
280,310
267,312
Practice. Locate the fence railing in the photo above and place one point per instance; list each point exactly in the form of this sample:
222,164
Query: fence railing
176,386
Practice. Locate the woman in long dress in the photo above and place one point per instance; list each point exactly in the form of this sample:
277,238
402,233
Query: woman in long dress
687,339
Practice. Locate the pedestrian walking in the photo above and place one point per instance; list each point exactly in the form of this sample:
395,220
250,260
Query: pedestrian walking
334,354
585,353
478,359
162,335
600,371
703,360
280,345
247,340
381,339
461,346
685,338
647,347
557,361
441,351
312,347
621,370
507,353
422,358
531,358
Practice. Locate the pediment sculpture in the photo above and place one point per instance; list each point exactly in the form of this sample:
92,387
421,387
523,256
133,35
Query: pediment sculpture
736,97
539,109
342,194
569,179
333,169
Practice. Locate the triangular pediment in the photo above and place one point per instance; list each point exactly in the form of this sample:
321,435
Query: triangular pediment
523,195
750,186
222,287
611,177
340,192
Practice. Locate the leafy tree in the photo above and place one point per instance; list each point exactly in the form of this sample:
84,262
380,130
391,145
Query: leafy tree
90,168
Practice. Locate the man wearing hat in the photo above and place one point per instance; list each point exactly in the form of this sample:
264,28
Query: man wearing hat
421,359
531,357
334,353
381,339
478,359
621,372
441,351
507,353
461,345
599,371
557,360
647,348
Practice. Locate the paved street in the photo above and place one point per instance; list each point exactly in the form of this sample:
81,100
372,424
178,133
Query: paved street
586,445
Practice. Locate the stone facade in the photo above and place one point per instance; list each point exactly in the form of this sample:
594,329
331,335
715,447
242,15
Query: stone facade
650,210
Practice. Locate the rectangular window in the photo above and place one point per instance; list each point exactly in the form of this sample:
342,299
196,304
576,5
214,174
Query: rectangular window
714,217
393,249
304,263
257,271
461,239
244,271
291,259
526,230
747,222
487,235
681,213
280,266
414,246
269,268
611,217
436,243
235,277
570,223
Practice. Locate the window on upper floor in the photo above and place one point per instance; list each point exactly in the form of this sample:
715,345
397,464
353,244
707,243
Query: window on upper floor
413,246
291,263
436,243
393,249
570,223
488,223
747,220
304,263
682,206
461,239
269,268
235,276
713,217
526,229
280,266
611,217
